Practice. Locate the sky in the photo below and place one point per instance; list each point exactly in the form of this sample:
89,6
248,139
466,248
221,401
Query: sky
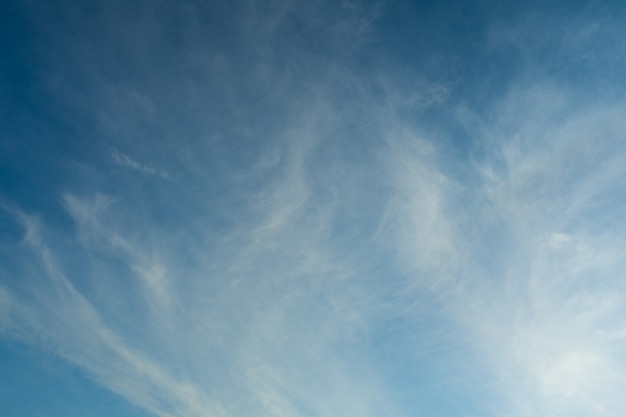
312,208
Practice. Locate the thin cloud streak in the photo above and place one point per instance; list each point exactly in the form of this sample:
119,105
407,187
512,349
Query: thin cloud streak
126,161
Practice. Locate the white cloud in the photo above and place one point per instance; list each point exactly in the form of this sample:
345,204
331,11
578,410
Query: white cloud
549,320
126,161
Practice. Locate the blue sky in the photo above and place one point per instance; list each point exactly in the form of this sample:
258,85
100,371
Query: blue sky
312,208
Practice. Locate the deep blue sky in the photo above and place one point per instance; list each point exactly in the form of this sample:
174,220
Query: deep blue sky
312,208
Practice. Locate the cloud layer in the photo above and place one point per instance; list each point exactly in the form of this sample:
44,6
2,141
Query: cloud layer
277,216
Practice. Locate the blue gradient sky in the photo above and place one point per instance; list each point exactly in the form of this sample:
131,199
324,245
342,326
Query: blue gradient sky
312,208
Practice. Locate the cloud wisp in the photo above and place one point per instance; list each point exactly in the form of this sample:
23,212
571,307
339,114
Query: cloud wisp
127,161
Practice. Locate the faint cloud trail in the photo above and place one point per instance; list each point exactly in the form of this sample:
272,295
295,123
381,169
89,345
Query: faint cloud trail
127,161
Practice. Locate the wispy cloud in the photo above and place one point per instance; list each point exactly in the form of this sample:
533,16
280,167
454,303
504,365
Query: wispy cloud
245,318
65,322
260,317
537,273
127,161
